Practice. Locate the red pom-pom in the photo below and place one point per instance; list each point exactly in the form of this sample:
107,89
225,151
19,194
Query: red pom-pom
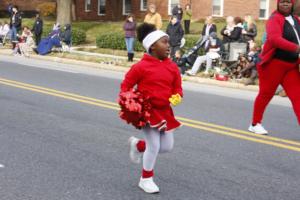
135,108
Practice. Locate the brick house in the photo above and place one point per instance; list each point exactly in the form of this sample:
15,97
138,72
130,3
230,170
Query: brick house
117,9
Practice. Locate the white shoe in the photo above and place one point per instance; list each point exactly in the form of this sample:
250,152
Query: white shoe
258,129
148,185
190,73
134,154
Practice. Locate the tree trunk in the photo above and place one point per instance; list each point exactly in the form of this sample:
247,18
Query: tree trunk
64,11
74,10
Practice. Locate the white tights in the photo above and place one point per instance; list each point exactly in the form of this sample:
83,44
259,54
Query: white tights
156,142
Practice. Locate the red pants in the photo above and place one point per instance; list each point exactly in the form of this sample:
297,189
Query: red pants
270,76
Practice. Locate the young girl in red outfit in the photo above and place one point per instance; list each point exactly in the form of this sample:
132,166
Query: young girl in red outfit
279,62
157,77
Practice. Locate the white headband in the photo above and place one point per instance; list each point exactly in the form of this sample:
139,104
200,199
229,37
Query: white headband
151,38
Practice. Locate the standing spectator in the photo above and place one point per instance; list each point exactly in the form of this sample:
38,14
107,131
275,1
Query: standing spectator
37,29
15,23
175,32
177,11
129,28
249,29
153,17
279,63
208,28
187,16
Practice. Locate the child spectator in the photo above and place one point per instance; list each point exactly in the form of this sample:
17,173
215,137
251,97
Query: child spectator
158,78
25,42
175,32
250,71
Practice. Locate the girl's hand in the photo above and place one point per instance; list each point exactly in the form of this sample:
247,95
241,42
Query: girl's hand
175,99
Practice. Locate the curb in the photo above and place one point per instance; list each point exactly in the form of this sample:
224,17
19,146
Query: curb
111,67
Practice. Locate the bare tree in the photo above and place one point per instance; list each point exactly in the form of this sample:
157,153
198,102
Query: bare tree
64,11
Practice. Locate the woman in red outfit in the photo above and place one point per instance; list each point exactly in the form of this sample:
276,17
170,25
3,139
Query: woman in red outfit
279,62
157,77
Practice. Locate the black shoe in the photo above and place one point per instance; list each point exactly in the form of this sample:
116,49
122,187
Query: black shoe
130,57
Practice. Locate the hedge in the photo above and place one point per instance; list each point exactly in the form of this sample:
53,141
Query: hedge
78,35
115,40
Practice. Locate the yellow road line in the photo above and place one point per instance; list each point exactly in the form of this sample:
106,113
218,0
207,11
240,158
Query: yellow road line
62,96
188,122
182,119
59,92
279,145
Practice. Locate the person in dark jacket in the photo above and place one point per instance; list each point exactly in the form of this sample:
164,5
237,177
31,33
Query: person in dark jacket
15,24
66,36
232,32
175,32
129,28
178,12
249,29
37,29
209,27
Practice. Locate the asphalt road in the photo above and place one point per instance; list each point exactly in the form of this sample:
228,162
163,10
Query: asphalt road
61,139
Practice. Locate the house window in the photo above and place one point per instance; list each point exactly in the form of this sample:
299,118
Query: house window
126,7
143,5
101,7
88,6
217,8
172,4
263,9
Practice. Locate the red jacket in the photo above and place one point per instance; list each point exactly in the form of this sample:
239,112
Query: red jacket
158,80
275,40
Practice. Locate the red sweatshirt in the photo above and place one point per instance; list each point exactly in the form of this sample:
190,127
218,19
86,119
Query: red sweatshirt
275,40
158,80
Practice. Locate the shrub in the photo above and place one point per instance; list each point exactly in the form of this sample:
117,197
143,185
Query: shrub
47,9
78,36
115,40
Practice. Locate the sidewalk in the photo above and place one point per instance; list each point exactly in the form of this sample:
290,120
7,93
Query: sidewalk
113,67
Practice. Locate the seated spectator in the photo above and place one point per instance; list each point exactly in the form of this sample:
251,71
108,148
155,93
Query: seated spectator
232,32
175,32
4,29
53,40
250,71
249,31
66,36
213,52
25,43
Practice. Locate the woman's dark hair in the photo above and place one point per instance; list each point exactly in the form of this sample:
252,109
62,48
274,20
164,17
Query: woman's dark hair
143,30
238,20
128,16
